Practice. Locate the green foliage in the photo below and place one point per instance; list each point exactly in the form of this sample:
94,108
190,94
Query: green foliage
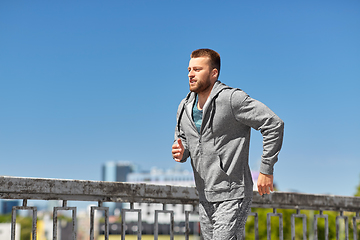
25,223
5,218
26,227
357,194
286,214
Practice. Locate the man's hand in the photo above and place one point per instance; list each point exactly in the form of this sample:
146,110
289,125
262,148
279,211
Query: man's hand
177,150
265,183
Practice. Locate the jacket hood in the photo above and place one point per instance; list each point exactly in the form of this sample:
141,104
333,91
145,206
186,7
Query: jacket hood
190,98
217,88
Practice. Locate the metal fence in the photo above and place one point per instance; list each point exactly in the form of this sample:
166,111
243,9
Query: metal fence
101,192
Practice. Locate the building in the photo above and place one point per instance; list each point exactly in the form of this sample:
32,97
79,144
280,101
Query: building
5,231
116,172
7,205
175,176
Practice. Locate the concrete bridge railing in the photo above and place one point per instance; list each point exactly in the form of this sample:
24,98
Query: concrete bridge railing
102,192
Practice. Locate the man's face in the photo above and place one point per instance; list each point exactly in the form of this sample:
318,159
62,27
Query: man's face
199,74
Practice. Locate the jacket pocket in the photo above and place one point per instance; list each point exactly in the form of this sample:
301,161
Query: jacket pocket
214,176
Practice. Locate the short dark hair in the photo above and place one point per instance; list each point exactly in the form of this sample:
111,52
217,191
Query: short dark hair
213,55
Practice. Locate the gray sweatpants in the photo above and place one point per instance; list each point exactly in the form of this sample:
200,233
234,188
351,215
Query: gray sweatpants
224,220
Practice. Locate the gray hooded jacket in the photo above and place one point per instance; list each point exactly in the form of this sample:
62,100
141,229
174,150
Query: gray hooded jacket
219,153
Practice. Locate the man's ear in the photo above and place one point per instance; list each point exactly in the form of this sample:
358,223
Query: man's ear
214,73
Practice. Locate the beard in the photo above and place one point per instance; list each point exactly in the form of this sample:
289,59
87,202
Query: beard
201,85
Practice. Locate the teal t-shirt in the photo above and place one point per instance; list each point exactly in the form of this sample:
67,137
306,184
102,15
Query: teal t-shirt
197,115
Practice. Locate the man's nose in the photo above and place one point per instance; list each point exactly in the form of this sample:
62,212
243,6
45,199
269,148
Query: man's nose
191,73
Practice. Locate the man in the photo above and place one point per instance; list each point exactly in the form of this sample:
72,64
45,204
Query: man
213,128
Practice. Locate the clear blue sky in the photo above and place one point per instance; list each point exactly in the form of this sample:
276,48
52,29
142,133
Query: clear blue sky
85,82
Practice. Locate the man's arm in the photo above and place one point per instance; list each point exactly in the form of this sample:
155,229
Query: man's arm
179,150
258,116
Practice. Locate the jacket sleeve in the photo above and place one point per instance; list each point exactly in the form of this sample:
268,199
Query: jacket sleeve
258,116
179,133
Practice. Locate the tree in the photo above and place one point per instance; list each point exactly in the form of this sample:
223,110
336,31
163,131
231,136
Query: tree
357,194
25,223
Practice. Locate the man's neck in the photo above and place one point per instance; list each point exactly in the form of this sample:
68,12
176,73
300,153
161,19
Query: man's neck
202,97
201,101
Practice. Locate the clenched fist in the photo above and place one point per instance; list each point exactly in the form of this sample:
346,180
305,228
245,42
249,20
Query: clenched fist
177,150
